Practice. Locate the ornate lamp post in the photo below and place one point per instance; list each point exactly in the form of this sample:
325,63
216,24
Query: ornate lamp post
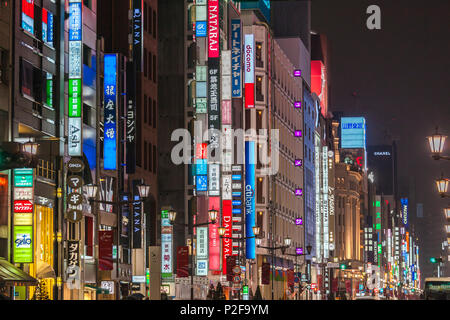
213,218
442,186
436,142
287,243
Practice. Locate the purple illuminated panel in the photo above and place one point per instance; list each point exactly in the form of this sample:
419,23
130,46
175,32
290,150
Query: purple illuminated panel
298,133
298,162
297,104
299,251
298,192
297,73
299,221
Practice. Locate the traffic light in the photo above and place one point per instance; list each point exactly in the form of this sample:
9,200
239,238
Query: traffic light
12,156
342,266
435,260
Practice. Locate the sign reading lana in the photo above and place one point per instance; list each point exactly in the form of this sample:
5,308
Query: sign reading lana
249,53
250,161
137,34
213,28
110,102
137,217
236,77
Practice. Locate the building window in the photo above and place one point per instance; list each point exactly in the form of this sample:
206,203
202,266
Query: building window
259,190
259,90
154,160
36,84
145,155
149,111
154,24
149,19
88,3
87,56
150,65
47,27
145,17
248,119
150,159
145,63
154,68
258,55
154,114
145,108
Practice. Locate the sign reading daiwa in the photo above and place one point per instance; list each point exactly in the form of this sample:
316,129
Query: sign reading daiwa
213,28
250,179
249,63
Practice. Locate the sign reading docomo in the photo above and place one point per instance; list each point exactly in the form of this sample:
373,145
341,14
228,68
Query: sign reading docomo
75,165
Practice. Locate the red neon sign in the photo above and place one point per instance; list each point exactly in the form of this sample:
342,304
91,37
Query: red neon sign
227,218
213,28
23,206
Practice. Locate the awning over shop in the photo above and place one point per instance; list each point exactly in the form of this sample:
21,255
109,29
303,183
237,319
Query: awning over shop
13,276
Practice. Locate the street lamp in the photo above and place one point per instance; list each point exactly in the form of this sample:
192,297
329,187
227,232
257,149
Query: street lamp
442,186
447,212
436,142
212,214
91,190
143,190
30,147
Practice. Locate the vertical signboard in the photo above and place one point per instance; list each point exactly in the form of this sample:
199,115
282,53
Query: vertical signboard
249,64
236,76
166,245
73,256
202,251
353,132
226,241
130,134
182,262
250,180
137,217
75,77
105,248
404,202
214,239
237,205
213,29
110,118
318,216
28,15
325,201
214,179
137,35
214,93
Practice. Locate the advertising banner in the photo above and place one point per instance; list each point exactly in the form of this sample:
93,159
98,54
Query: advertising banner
214,179
73,254
183,262
353,132
105,248
75,78
137,219
28,15
214,93
23,244
166,245
227,224
214,239
213,28
130,133
202,251
110,118
249,63
250,180
236,76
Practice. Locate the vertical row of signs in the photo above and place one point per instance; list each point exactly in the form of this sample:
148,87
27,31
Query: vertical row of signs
23,216
75,77
237,206
325,201
110,112
214,123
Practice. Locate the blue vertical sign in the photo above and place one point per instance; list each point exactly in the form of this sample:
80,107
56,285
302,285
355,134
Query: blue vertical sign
404,202
250,180
75,14
236,79
110,102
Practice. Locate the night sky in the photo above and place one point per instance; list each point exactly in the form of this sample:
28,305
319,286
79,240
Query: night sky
399,79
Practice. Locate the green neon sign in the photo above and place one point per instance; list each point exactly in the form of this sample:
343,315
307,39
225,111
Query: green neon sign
23,244
378,204
378,226
75,98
